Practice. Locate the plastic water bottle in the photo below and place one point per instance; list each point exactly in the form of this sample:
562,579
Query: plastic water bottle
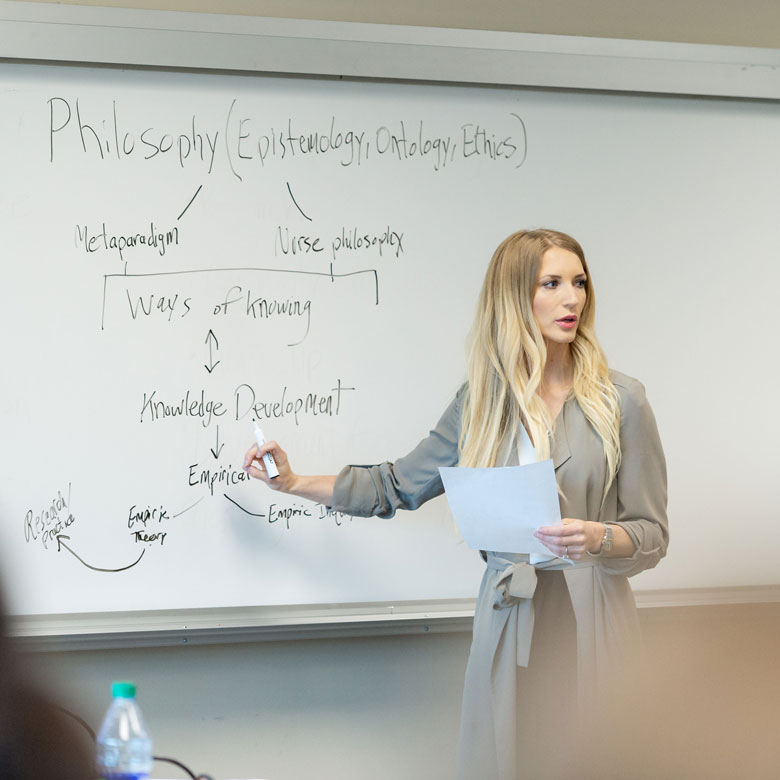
124,747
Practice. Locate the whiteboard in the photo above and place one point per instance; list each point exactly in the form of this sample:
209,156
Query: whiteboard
161,288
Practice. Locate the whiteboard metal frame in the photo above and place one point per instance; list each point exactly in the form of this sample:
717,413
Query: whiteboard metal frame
47,32
156,628
119,37
179,628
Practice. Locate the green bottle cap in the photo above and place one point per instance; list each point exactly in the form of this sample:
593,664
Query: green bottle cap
123,690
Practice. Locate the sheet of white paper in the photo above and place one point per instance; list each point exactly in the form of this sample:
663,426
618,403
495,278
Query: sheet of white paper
499,509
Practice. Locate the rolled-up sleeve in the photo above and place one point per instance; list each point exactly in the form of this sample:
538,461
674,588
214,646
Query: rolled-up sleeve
407,483
641,484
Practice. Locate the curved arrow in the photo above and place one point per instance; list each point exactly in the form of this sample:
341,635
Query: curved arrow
61,544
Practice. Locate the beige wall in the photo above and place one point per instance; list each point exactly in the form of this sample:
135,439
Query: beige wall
727,22
388,708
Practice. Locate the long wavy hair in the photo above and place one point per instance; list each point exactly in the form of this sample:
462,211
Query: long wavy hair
507,355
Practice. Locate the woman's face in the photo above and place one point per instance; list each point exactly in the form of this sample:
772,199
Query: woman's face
560,295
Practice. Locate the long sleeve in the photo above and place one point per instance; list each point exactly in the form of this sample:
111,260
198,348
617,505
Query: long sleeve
641,484
410,481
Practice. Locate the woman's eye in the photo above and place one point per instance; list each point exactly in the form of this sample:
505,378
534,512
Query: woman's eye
552,284
582,283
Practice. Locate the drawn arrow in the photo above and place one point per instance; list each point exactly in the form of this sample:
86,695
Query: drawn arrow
219,446
61,544
211,340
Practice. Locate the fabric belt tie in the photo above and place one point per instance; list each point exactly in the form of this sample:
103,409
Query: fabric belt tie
513,594
515,589
517,581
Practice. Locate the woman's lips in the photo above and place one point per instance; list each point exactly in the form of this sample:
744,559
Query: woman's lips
567,322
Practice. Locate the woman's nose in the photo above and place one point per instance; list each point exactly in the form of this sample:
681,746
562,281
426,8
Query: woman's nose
571,296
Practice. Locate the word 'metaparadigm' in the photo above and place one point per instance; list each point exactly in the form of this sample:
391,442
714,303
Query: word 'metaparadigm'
237,140
94,240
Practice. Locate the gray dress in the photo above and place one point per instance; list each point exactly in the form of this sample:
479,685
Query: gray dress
585,614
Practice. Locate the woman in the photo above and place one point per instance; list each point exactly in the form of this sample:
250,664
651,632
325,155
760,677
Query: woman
549,633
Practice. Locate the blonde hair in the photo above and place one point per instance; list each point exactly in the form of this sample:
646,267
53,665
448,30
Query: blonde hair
507,355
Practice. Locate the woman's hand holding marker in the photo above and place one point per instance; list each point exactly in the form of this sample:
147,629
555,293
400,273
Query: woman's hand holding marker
267,458
263,461
267,461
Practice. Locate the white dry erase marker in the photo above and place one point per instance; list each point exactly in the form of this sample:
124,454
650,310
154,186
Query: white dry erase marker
268,459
